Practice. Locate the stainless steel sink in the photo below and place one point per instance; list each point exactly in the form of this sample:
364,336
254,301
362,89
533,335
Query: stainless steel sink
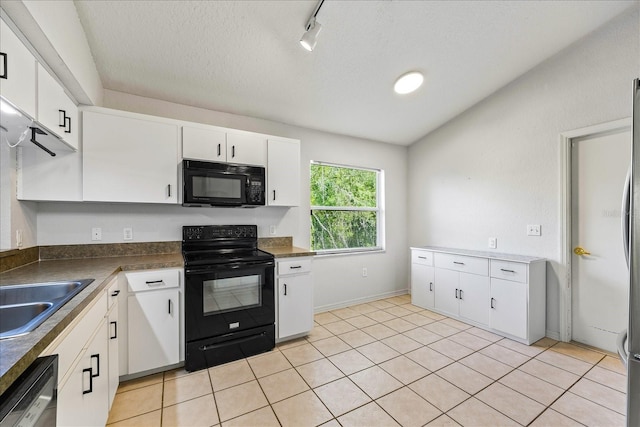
24,307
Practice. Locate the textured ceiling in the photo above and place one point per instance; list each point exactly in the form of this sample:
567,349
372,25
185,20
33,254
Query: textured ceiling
243,57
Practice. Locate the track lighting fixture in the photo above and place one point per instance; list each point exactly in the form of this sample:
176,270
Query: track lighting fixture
312,29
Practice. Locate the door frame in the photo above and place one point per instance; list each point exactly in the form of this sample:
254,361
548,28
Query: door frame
566,138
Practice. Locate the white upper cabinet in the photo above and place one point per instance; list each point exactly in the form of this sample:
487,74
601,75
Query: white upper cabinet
129,159
56,111
247,149
204,144
17,72
283,172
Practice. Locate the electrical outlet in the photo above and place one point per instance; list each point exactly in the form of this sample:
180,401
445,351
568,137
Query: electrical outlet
96,233
534,230
493,242
127,233
272,230
364,272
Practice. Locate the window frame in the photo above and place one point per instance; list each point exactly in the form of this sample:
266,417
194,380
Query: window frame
379,210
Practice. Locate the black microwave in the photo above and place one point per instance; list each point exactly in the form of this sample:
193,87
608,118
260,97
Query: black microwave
222,184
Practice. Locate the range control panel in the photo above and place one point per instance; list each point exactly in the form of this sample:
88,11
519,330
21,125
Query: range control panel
208,232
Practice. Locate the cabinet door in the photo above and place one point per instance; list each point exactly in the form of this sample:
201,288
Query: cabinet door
422,286
246,149
509,307
295,305
114,367
128,159
83,399
56,111
474,297
18,77
446,290
153,323
283,173
45,178
204,144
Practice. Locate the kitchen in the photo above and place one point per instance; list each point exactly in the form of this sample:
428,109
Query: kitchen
523,142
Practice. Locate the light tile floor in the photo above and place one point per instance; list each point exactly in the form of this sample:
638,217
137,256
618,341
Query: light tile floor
388,363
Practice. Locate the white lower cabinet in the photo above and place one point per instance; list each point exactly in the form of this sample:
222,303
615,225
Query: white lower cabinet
503,293
84,399
294,287
153,319
87,364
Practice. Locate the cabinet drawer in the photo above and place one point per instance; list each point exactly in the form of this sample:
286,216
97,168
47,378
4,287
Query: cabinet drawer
508,270
294,266
463,263
153,279
421,257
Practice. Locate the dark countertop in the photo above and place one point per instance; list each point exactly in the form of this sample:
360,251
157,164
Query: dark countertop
16,354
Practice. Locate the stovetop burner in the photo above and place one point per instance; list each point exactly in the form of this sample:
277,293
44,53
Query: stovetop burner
221,244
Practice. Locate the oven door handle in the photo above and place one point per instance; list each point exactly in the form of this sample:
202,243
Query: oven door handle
234,266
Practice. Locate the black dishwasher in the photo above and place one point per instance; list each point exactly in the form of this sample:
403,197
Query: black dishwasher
31,400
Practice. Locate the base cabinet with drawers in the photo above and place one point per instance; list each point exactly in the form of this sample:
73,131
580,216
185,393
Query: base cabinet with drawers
294,301
88,363
503,293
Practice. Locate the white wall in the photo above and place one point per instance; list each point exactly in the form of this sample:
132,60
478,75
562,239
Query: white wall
496,168
338,278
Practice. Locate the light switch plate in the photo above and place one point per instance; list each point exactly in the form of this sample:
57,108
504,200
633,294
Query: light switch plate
493,242
127,233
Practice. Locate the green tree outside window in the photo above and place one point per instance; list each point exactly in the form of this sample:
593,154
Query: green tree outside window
344,208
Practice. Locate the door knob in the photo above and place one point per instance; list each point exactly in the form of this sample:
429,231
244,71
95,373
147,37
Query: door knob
580,251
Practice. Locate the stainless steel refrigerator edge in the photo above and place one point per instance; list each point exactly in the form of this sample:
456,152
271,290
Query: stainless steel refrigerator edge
632,358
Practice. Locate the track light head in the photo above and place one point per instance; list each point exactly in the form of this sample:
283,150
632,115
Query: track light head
310,37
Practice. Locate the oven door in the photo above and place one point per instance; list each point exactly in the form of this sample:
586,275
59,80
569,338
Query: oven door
214,187
231,298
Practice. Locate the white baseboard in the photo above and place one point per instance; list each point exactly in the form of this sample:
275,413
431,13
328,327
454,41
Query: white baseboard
357,301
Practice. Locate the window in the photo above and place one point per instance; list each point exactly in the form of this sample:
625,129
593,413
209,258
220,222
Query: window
346,208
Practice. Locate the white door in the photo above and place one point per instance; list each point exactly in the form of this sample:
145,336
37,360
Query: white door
295,305
422,288
599,277
447,284
474,297
154,324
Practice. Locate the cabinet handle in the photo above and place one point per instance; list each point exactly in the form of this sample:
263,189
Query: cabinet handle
492,300
219,152
115,330
295,267
67,121
170,305
458,262
4,65
115,293
285,289
460,293
274,194
233,151
430,286
97,357
154,282
90,381
422,257
456,294
507,271
168,190
37,131
62,118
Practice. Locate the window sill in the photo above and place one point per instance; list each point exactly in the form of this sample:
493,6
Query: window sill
327,254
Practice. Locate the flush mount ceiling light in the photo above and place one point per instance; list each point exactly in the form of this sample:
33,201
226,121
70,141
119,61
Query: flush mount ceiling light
312,29
408,82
